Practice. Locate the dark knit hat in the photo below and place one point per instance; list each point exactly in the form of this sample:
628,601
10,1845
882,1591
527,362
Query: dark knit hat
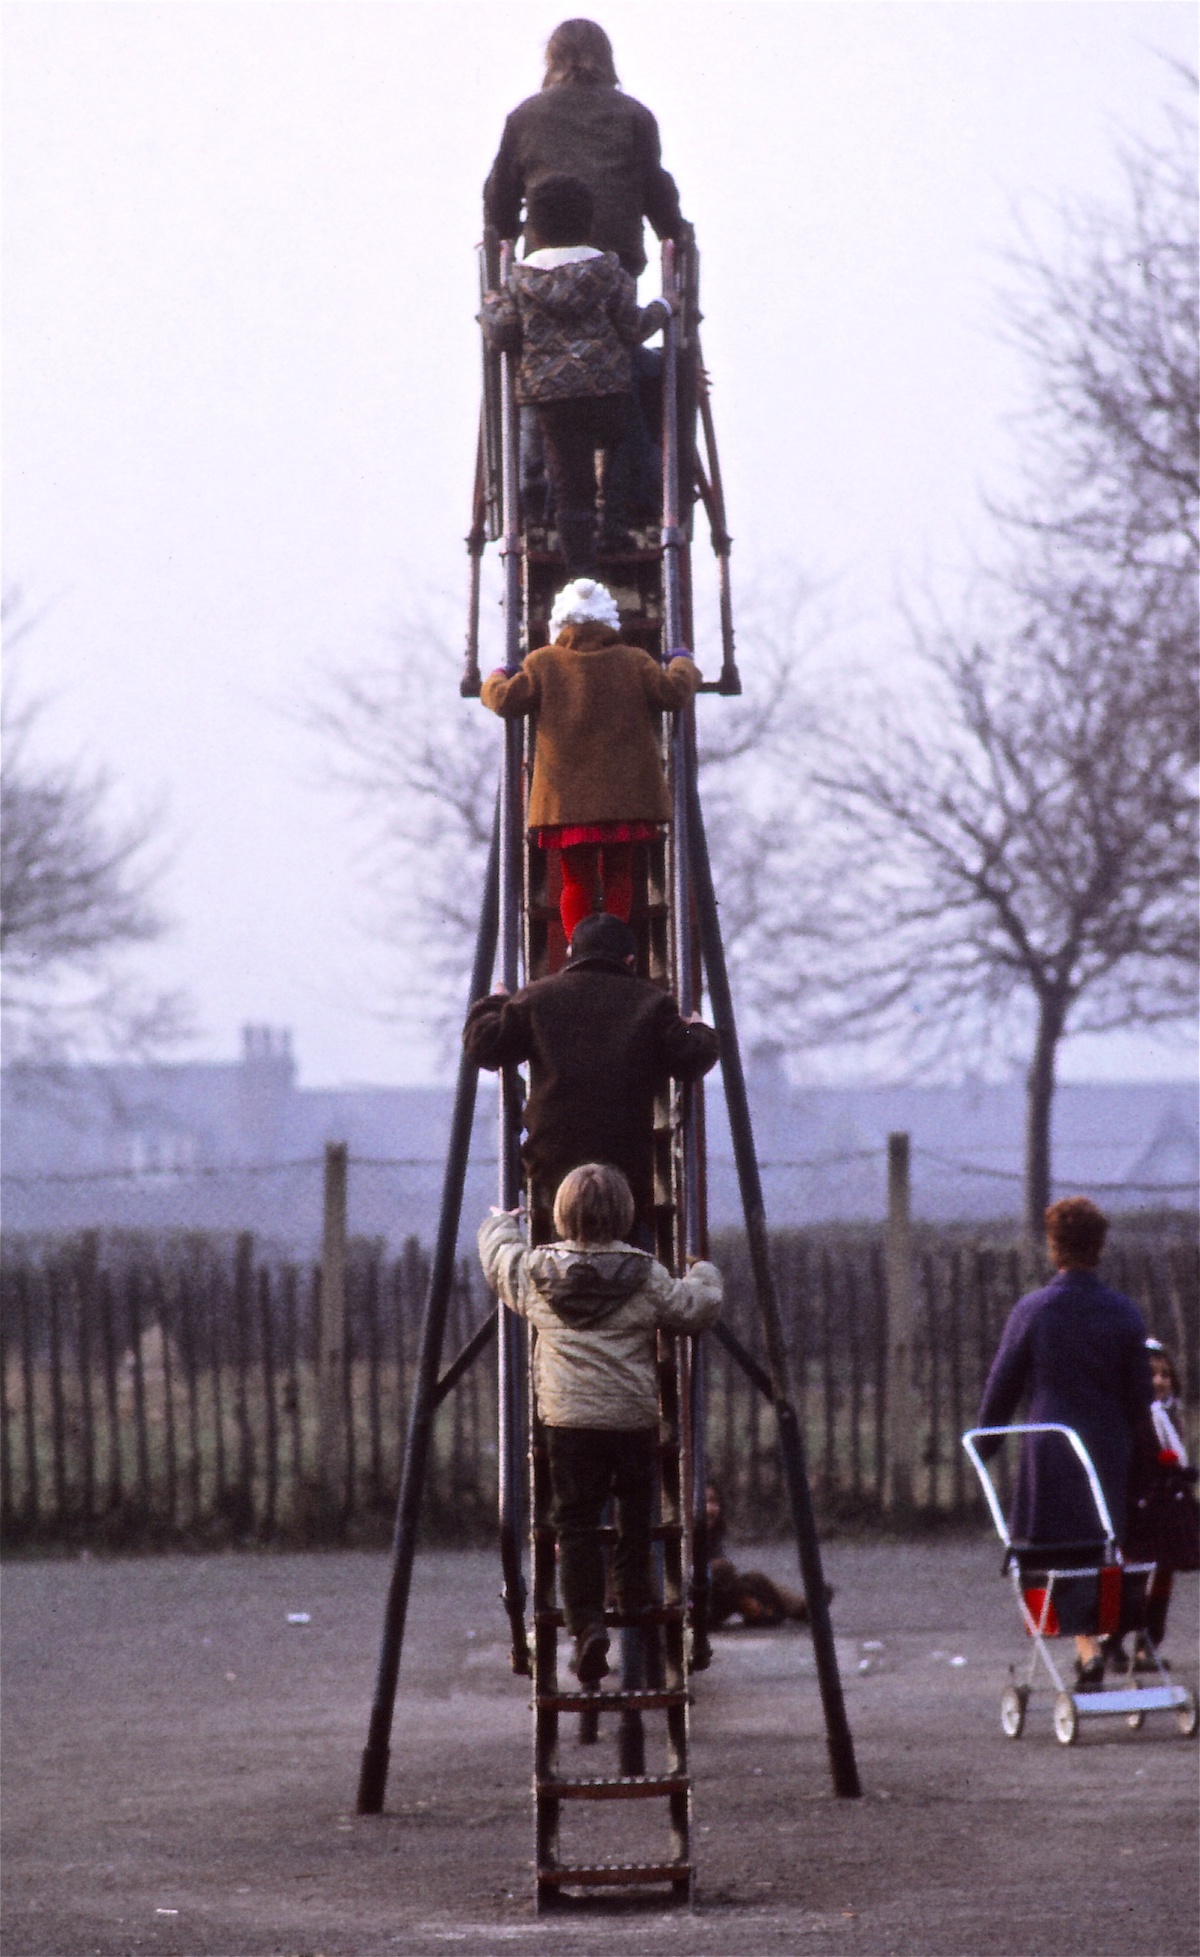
560,209
602,936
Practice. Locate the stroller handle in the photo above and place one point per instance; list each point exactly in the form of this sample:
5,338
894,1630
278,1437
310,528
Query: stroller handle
975,1434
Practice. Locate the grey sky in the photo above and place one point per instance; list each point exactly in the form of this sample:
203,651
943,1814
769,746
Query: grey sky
241,367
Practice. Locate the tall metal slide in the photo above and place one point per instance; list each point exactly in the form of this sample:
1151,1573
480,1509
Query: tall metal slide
675,917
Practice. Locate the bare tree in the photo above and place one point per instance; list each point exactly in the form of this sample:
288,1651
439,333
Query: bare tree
1109,334
76,893
757,756
1011,853
1017,862
418,766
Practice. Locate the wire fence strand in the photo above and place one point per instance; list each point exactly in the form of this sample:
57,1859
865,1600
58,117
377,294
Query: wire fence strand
162,1388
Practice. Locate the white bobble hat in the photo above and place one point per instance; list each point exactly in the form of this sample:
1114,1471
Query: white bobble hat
584,602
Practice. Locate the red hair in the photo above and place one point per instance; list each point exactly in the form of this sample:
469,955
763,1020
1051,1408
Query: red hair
1076,1229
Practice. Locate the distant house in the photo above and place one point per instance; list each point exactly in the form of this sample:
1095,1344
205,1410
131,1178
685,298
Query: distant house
1130,1145
239,1145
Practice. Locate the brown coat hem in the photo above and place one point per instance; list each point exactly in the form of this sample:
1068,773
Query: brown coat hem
597,757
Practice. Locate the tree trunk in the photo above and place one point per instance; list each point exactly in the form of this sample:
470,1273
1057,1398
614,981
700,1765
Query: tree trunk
1039,1101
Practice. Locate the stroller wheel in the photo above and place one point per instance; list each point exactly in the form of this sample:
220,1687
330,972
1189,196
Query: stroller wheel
1066,1720
1135,1721
1189,1717
1013,1701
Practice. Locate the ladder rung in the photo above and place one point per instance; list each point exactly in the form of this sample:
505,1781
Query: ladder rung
643,1700
549,914
620,1620
612,1874
538,557
624,1787
661,1532
665,1446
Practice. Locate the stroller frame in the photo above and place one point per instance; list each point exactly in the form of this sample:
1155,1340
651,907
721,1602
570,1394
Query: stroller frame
1118,1595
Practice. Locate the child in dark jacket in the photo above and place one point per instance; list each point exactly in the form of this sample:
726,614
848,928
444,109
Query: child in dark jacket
582,121
601,1043
572,311
1164,1526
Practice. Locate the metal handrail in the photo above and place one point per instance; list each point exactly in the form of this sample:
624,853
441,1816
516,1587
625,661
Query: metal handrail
691,1238
469,684
509,1449
791,1437
418,1443
712,495
975,1434
490,275
487,499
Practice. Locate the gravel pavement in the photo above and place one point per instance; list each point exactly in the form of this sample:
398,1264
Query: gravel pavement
180,1765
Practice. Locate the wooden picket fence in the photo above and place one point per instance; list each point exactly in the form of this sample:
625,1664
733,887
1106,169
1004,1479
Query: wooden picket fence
165,1390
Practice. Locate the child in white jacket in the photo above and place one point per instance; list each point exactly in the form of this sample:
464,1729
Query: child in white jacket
596,1304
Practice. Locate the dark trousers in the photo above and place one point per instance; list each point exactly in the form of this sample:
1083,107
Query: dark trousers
587,1466
633,480
572,431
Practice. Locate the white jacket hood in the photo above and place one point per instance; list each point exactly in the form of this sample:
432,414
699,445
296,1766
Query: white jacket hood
584,1287
597,1310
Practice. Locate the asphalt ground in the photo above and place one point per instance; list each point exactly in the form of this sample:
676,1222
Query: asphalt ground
180,1765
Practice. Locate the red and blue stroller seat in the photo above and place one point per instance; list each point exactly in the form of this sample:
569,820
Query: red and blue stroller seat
1070,1590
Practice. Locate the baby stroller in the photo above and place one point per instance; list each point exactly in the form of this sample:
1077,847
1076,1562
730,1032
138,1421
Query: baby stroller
1077,1590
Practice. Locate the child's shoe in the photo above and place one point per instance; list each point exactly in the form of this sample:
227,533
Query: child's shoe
1089,1677
1116,1658
590,1663
1145,1660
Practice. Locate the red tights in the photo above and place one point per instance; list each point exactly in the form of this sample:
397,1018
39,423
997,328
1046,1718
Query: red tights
581,864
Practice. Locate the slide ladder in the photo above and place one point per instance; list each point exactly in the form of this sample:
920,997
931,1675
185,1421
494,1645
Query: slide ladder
679,944
655,1648
654,1680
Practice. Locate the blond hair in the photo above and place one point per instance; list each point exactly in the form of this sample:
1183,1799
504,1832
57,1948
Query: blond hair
594,1205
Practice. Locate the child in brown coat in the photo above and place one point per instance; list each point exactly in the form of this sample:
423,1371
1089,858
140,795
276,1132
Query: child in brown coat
598,784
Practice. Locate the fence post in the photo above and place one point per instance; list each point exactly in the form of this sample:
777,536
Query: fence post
331,1358
901,1428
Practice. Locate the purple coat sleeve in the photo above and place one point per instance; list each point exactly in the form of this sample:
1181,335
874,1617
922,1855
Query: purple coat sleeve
1009,1378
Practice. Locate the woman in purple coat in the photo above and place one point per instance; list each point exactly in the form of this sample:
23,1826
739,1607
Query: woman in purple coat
1075,1352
